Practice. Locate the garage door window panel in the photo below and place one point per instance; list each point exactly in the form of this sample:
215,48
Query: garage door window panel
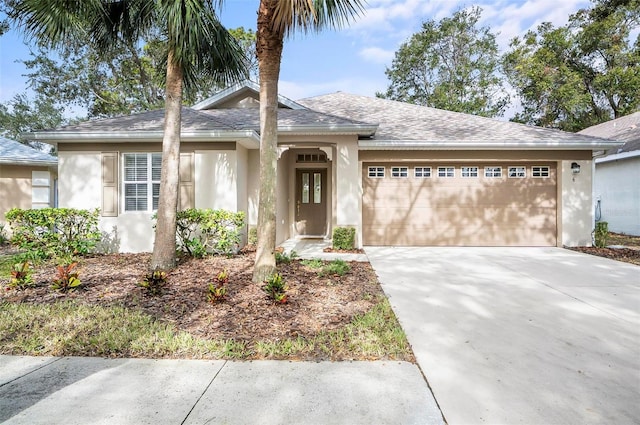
376,172
493,172
422,172
399,172
446,172
540,171
517,172
469,172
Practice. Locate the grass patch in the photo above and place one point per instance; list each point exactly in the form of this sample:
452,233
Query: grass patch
5,266
314,263
622,239
335,268
67,328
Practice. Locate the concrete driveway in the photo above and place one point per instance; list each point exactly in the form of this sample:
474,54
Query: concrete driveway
520,335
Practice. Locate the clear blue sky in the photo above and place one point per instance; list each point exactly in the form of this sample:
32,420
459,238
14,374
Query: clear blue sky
353,59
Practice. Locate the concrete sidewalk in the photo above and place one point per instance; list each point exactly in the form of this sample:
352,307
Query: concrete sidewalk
78,390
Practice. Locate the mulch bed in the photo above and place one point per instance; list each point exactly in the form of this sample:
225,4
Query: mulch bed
314,303
628,255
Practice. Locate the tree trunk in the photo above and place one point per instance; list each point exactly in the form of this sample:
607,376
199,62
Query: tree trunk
164,247
269,52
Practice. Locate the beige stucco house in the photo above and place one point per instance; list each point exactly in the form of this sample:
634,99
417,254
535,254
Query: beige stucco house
27,177
400,174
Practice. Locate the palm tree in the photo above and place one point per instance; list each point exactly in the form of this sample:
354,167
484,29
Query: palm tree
197,44
276,20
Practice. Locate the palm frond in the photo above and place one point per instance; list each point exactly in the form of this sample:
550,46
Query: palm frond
314,15
53,21
126,19
200,43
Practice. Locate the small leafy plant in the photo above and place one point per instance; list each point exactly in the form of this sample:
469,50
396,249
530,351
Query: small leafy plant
284,258
276,288
252,239
601,234
21,275
335,267
66,279
218,290
154,281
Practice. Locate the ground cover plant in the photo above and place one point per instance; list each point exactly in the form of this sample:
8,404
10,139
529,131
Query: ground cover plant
628,248
347,318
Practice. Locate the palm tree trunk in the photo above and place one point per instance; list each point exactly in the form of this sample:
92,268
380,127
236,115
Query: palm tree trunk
269,52
164,247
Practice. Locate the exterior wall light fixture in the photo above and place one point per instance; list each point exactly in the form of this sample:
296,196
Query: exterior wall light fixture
575,168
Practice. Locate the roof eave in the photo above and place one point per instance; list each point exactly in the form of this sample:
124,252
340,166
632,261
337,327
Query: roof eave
468,145
29,162
361,130
138,136
618,156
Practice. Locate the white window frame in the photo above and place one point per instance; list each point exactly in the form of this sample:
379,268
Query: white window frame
149,181
469,172
376,172
422,172
520,172
493,172
399,172
542,171
443,172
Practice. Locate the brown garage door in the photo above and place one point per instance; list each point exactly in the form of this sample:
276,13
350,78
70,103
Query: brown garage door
476,204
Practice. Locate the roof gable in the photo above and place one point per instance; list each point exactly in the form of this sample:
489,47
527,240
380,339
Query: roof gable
245,94
12,152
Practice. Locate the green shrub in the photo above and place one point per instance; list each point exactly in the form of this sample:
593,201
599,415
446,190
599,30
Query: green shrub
54,232
344,238
200,232
276,288
601,234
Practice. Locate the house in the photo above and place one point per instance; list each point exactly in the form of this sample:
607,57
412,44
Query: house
617,175
27,177
400,174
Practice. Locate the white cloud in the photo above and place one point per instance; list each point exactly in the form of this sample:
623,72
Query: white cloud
393,21
377,55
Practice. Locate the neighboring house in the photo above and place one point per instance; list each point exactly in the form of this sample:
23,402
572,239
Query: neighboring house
617,175
400,174
27,177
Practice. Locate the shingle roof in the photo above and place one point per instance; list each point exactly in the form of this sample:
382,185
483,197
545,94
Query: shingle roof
149,121
249,118
624,129
213,119
12,152
406,123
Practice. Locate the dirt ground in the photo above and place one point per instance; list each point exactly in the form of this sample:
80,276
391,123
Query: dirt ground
628,248
314,303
